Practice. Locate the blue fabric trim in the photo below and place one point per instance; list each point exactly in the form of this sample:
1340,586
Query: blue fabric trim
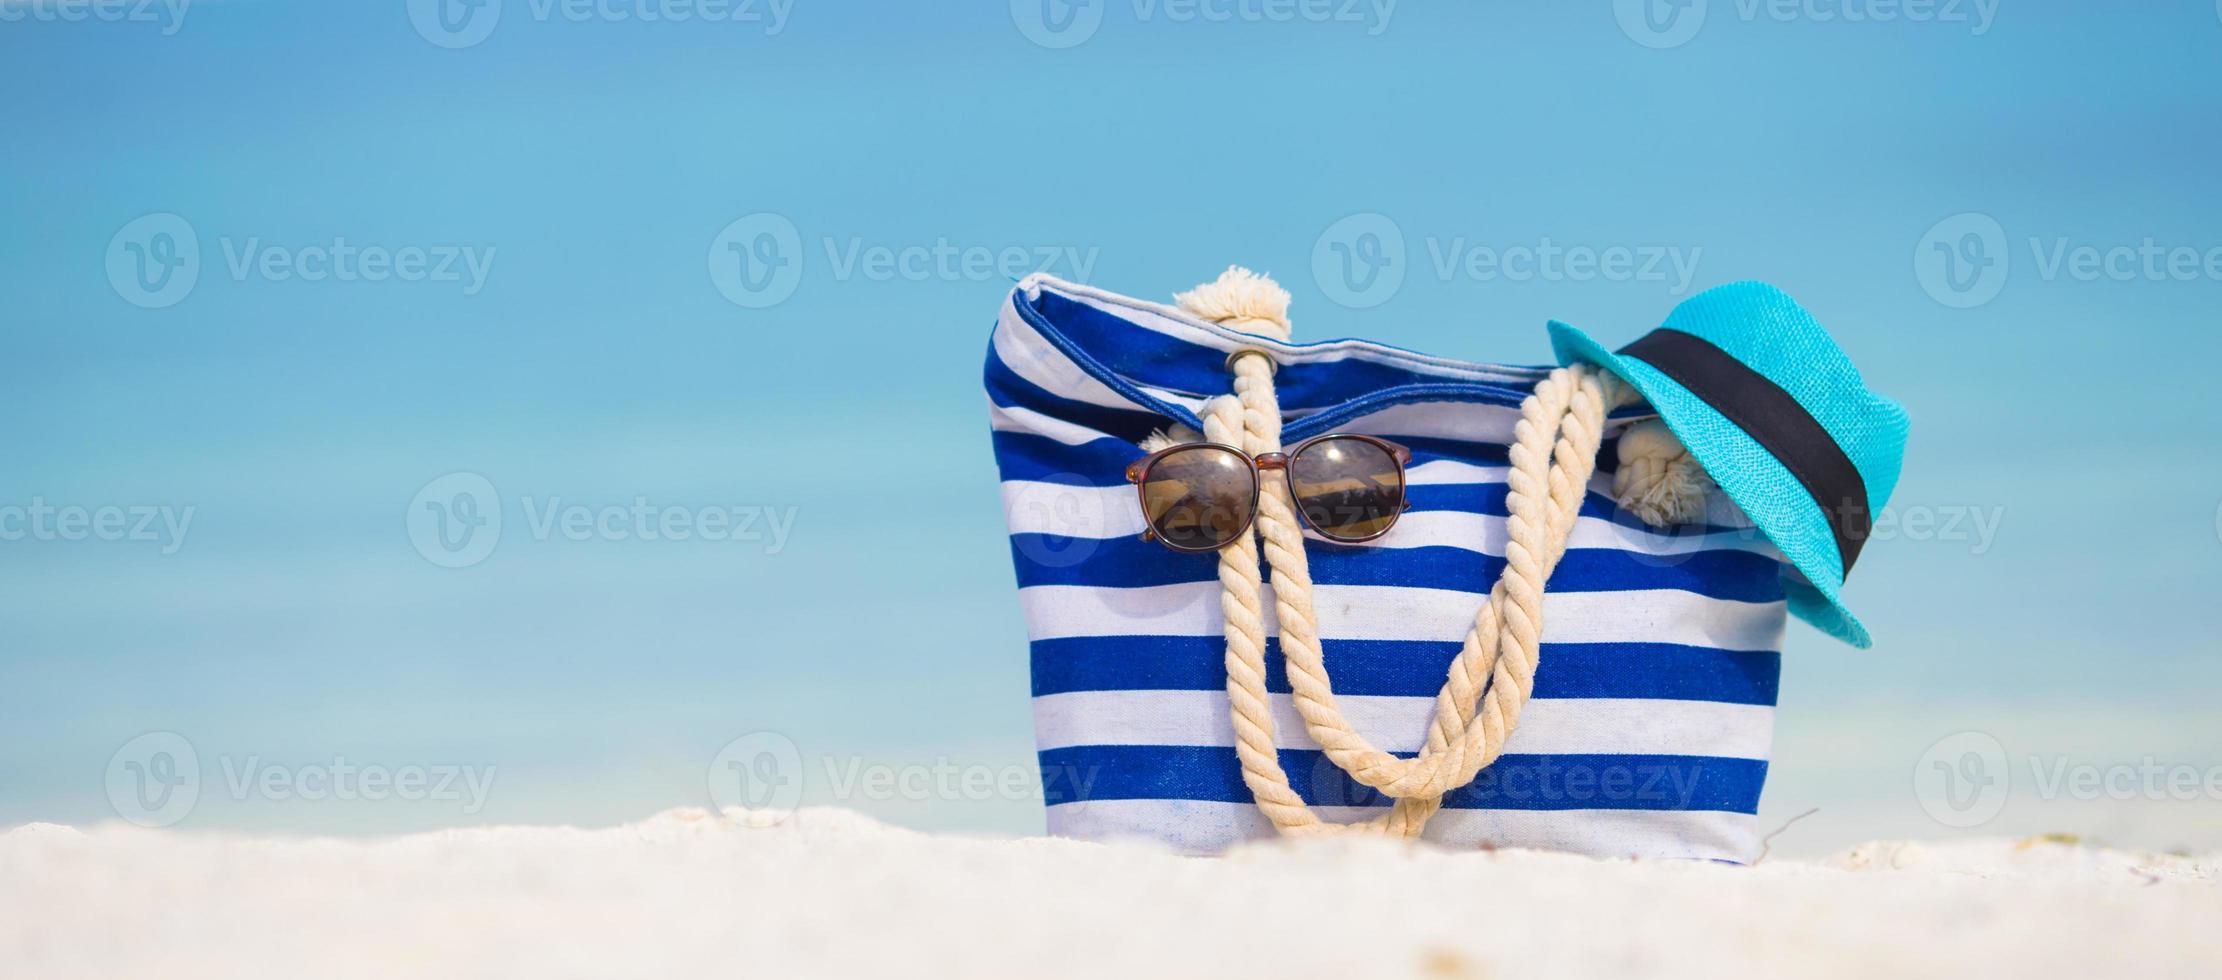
1096,463
1130,562
1513,782
1126,355
1009,390
1411,668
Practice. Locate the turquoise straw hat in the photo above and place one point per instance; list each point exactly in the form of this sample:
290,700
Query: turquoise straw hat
1780,419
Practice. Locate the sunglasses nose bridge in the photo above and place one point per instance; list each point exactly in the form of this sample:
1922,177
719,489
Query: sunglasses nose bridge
1272,461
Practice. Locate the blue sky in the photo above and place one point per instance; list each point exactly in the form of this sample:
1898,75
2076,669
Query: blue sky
2052,585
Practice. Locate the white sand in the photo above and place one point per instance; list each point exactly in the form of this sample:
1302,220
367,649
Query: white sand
831,893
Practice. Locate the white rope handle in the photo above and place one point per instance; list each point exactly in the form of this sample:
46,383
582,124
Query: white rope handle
1553,455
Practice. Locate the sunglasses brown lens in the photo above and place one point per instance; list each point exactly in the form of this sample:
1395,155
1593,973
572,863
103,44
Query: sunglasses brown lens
1199,498
1349,489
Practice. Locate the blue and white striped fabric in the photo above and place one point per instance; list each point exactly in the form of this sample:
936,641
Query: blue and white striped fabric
1654,702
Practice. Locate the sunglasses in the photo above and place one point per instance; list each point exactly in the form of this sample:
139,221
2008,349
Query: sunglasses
1202,496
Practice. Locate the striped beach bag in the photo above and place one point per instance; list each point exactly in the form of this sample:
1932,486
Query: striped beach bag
1520,660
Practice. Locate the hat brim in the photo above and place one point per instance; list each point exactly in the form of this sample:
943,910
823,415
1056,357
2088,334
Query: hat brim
1759,484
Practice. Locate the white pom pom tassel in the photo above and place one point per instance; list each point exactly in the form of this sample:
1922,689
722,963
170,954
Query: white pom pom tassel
1170,436
1243,300
1658,480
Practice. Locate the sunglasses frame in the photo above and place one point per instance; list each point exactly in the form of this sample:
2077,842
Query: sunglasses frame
1140,468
